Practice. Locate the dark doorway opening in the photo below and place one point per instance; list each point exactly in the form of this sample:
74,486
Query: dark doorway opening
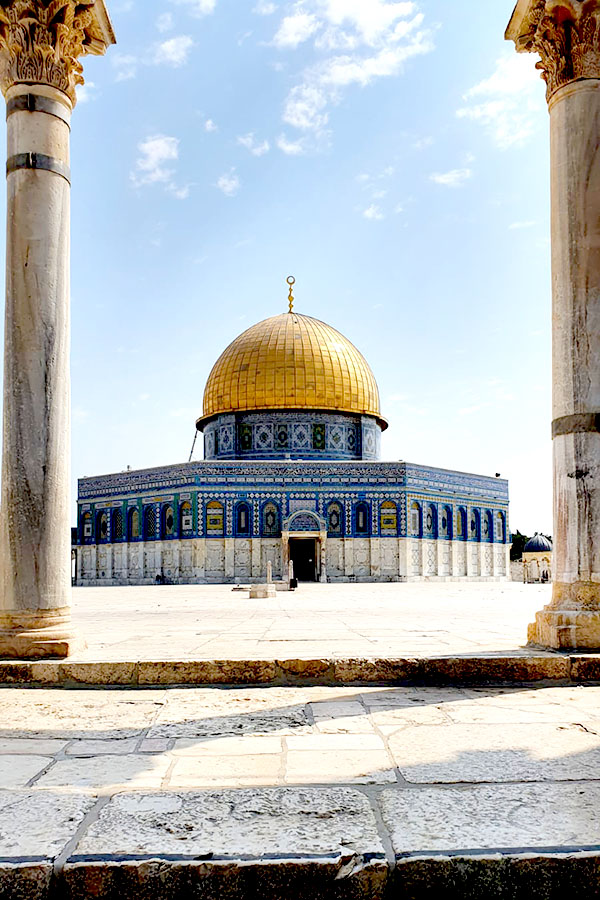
303,553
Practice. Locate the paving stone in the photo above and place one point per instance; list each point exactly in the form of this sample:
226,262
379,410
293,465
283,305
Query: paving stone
344,724
499,714
82,714
413,715
227,771
261,822
196,723
228,746
100,772
474,753
498,817
337,708
335,766
154,745
335,742
100,748
17,770
38,824
34,746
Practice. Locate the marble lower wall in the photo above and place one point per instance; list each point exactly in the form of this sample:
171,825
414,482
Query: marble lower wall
232,560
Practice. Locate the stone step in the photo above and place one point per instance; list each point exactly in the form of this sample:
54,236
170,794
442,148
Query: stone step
487,669
534,841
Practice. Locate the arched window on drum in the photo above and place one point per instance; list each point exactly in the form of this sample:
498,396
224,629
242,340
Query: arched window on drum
361,519
242,519
388,518
445,523
500,528
186,520
167,522
461,523
116,525
149,523
431,521
215,519
416,519
335,519
488,526
475,525
133,525
271,526
101,528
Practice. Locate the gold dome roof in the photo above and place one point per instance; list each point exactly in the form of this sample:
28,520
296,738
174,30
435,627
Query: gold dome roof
291,361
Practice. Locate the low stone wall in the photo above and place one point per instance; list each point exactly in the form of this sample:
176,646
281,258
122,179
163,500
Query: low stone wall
244,560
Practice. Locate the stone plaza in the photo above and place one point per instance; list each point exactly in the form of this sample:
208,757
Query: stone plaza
308,760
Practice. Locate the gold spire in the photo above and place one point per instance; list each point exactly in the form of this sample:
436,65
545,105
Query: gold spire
291,281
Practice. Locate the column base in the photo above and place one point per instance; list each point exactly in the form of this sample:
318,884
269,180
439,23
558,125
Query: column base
566,629
38,634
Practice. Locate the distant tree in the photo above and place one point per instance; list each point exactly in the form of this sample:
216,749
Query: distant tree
518,542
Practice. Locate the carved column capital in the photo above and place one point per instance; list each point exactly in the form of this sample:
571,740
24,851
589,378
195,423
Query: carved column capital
565,34
41,41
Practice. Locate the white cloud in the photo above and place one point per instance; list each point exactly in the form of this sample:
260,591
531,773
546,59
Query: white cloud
164,22
516,226
295,29
229,183
509,104
125,66
157,153
361,40
423,143
210,126
180,193
197,7
174,51
373,212
264,8
454,178
86,92
290,148
249,142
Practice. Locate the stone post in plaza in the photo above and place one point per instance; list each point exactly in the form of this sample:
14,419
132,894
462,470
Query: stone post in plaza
40,45
566,36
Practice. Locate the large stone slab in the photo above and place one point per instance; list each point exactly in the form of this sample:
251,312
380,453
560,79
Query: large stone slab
76,714
487,752
35,827
38,824
272,843
501,817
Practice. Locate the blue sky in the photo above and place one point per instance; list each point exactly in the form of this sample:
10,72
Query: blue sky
392,156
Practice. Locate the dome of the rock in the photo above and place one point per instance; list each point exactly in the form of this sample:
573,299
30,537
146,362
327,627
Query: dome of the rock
291,362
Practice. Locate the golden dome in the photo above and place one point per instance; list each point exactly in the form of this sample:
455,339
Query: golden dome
291,361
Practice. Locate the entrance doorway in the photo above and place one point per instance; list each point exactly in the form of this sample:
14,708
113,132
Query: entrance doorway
303,553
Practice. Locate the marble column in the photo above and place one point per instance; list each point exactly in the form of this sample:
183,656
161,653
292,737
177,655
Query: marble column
566,36
40,46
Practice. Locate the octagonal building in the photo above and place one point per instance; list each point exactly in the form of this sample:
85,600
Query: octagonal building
292,427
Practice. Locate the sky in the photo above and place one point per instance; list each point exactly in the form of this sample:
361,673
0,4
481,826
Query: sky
392,156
